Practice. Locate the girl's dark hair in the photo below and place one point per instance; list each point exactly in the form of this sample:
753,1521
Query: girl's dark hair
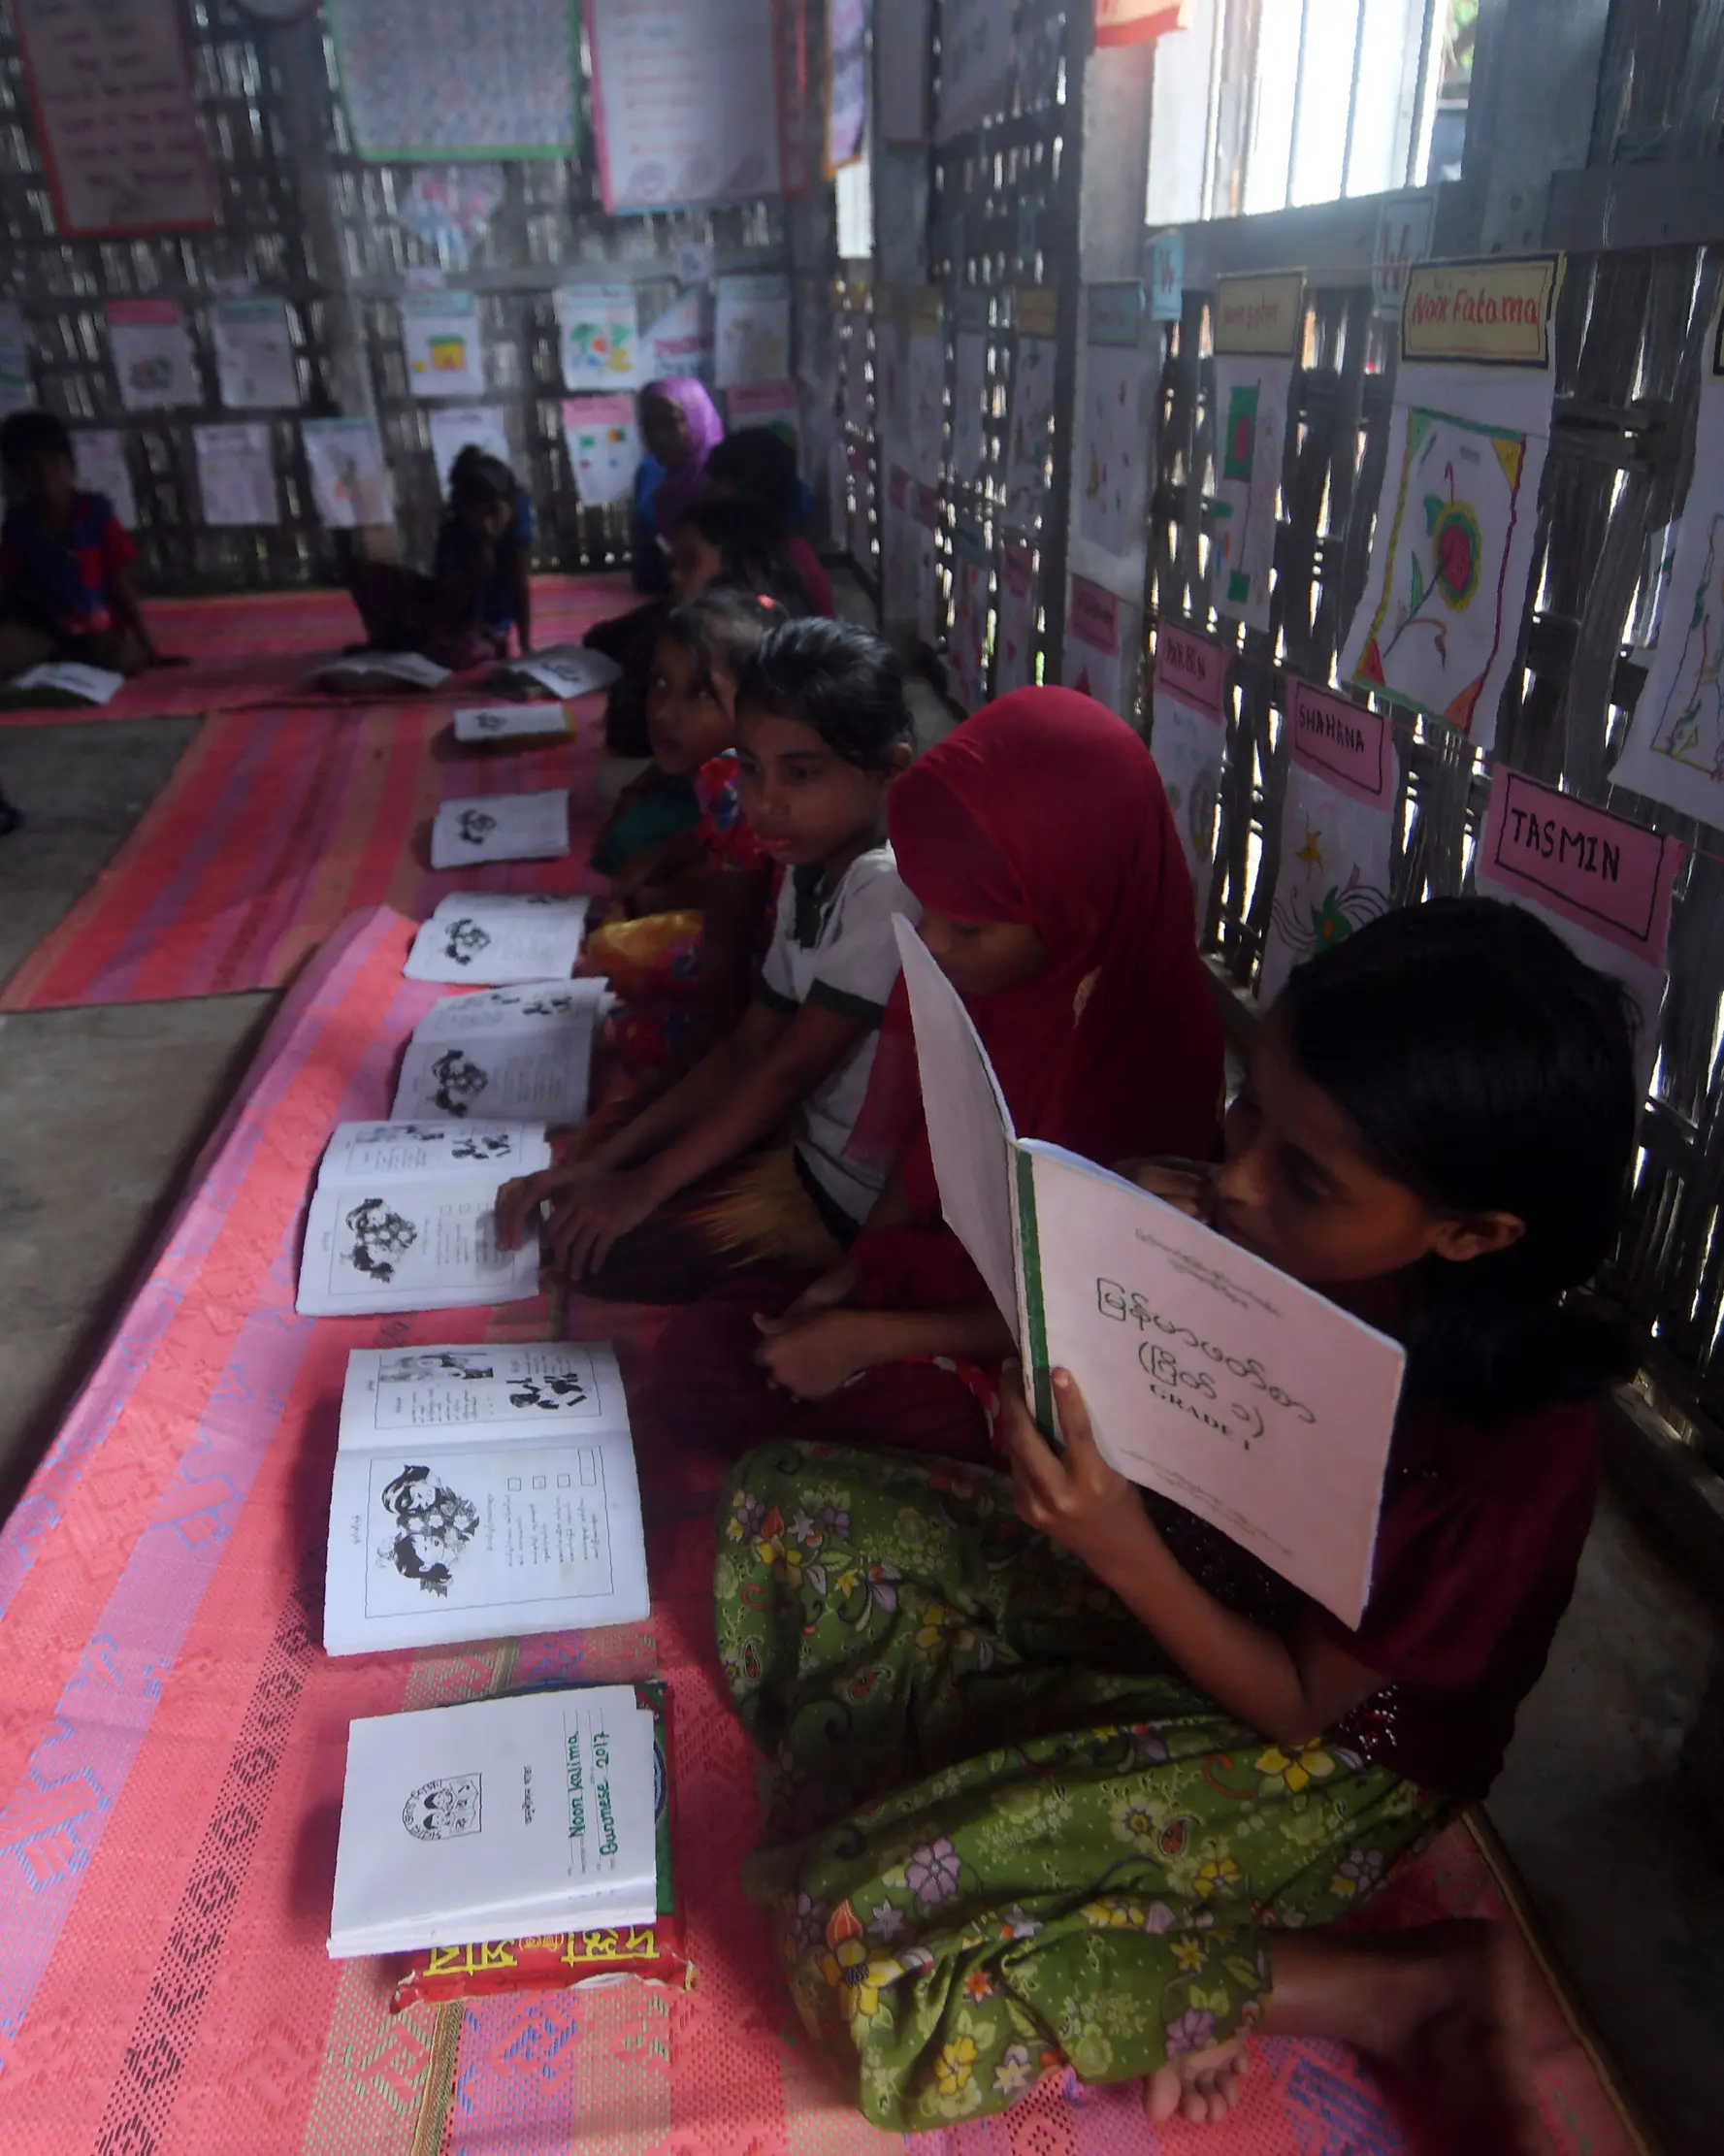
479,481
1489,1071
762,465
27,435
722,627
838,679
749,540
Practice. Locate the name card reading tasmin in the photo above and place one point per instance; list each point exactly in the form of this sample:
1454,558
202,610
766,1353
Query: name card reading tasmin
1598,872
1191,669
1491,311
1345,745
1263,314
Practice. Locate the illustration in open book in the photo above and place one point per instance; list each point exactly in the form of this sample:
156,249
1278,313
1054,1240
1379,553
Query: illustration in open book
1690,728
1437,620
430,1526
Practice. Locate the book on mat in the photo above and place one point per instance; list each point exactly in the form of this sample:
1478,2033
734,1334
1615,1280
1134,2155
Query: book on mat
482,1492
560,670
1209,1377
496,1816
523,1051
481,724
485,939
404,1218
64,683
501,826
361,670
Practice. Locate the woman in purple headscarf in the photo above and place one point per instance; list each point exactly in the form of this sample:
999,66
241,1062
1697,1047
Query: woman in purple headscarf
680,426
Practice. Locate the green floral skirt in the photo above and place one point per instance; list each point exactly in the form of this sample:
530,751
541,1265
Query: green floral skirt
1002,1832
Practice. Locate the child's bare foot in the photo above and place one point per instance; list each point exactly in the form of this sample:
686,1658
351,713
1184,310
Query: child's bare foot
1440,2007
1202,2086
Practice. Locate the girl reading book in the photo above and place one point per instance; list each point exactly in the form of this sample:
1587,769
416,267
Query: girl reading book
1039,843
479,594
702,1183
1063,1776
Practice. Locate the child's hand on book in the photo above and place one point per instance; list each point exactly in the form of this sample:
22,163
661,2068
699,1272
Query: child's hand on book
1078,1502
519,1199
810,1357
595,1213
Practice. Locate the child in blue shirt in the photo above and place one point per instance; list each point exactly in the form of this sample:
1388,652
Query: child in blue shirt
479,594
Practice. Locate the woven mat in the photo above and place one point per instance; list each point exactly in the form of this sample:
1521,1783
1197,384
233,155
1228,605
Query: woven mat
260,647
172,1739
273,827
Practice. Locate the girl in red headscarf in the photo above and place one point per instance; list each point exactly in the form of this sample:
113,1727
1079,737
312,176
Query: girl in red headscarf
1038,841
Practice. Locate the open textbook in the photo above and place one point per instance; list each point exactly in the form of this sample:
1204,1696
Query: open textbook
481,1491
480,724
1209,1377
63,682
523,1051
501,826
364,670
404,1218
485,939
560,670
498,1818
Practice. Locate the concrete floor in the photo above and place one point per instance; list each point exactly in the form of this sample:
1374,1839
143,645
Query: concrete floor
103,1112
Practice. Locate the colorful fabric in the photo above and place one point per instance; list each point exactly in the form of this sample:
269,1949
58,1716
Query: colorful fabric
66,577
684,483
725,831
456,549
1044,809
263,647
274,826
649,810
1003,1835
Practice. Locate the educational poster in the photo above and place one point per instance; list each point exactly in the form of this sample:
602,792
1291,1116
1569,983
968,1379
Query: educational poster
766,404
152,355
752,330
598,329
969,390
1029,433
1259,329
847,82
1095,662
970,580
116,115
1187,736
427,79
1114,447
16,391
1337,831
901,547
236,474
902,41
254,364
1674,752
1015,617
1604,884
603,444
454,428
976,54
680,340
349,479
680,91
449,209
930,590
1439,625
1167,275
103,469
441,335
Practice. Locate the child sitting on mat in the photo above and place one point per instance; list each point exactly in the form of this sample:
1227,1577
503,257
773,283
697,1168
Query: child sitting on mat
757,463
480,589
65,561
684,921
1141,1779
702,1183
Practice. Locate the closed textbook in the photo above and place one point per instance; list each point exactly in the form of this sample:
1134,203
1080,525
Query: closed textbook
1209,1377
494,1819
481,1491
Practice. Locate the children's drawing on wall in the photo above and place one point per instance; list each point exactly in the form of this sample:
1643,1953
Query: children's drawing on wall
449,209
969,388
604,443
1674,752
599,330
925,382
1114,447
1095,643
752,330
1188,737
440,333
1014,623
1030,431
1334,877
1250,434
349,481
1439,625
970,580
1437,622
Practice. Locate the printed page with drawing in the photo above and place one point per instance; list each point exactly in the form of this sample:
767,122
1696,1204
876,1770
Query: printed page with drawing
491,939
404,1218
509,1051
496,1817
501,826
1209,1377
482,1491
